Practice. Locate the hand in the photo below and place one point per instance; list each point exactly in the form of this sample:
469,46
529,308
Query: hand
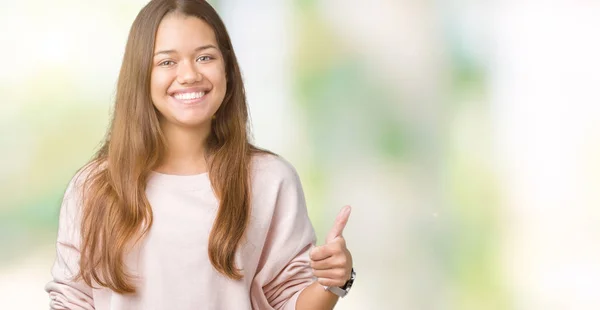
332,262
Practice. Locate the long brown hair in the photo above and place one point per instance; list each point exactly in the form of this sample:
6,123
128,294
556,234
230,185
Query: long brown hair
116,212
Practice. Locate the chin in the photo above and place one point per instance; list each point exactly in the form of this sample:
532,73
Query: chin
193,123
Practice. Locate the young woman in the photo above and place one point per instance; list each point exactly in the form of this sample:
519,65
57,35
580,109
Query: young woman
178,210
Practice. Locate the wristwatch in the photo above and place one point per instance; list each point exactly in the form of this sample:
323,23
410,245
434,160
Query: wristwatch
343,291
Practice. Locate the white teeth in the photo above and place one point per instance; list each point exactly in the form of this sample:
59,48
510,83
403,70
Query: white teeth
189,96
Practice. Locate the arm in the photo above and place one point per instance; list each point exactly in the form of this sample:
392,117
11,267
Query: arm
285,277
65,293
283,271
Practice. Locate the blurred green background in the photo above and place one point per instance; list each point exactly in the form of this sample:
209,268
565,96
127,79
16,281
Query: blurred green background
464,134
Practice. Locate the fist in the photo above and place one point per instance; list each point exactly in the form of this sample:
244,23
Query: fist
332,262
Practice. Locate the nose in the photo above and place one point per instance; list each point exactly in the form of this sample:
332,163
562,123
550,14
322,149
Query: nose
188,73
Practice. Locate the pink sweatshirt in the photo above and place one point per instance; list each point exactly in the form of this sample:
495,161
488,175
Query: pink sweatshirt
172,262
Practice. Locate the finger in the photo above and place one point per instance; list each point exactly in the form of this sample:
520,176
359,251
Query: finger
336,247
337,274
320,253
329,263
330,282
339,225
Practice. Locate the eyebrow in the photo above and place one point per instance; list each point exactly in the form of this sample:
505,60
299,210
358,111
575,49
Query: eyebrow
197,49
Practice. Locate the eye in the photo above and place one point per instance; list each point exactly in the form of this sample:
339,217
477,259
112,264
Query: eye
204,58
166,63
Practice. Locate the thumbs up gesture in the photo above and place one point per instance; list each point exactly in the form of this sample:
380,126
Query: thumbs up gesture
332,262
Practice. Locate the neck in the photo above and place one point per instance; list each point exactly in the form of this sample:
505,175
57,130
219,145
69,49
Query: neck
186,150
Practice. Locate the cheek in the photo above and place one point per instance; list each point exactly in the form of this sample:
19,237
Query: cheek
158,84
217,75
218,79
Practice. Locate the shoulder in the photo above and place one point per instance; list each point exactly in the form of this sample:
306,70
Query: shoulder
266,166
78,182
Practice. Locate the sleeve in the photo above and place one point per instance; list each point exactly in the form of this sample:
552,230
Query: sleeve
65,293
284,268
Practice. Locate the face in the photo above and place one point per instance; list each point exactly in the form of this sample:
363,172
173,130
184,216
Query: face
188,81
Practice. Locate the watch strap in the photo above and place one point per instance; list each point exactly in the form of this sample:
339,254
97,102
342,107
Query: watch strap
343,291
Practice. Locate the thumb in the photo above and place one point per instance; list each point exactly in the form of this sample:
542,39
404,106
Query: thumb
339,225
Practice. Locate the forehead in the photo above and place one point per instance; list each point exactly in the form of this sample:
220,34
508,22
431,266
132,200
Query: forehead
182,33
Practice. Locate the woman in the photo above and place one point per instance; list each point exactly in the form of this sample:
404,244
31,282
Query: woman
178,210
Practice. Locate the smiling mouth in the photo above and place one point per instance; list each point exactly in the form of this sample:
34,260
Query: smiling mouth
190,97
